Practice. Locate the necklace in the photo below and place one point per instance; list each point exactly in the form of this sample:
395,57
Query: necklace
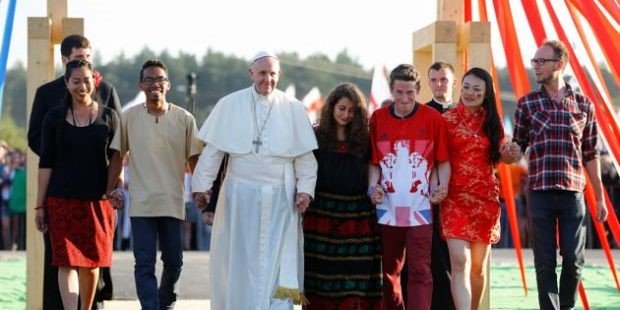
158,113
75,119
259,131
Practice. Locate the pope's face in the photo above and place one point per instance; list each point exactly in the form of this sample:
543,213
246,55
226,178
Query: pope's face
265,74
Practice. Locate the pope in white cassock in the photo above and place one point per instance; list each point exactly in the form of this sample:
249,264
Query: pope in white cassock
257,242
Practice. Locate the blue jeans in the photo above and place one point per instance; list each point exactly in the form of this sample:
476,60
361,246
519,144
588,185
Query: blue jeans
567,209
146,231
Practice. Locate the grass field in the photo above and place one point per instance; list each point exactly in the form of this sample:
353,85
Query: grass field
506,289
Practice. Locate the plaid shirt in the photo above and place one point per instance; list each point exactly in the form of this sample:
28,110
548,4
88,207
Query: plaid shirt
562,137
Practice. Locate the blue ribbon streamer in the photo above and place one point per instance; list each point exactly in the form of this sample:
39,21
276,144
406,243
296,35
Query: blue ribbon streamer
6,43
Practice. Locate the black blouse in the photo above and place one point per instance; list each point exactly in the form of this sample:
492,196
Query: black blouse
340,172
78,156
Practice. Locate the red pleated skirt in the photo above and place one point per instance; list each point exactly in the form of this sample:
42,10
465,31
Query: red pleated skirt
81,232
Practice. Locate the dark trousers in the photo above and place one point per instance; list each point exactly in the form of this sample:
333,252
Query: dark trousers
566,209
51,293
412,244
440,267
146,231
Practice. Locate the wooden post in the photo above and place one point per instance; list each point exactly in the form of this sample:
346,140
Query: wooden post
43,33
437,41
72,26
56,11
40,70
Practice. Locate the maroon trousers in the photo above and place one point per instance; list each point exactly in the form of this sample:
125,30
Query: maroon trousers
413,244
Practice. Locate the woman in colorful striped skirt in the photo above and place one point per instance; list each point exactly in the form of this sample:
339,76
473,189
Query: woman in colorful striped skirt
342,247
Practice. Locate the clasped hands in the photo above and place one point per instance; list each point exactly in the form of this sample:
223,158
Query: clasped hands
116,198
302,200
377,194
510,152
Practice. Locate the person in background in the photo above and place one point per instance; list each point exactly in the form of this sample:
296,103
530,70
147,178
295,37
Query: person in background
7,169
194,230
342,251
17,203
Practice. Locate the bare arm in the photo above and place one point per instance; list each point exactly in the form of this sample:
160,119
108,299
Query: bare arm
192,161
114,171
441,180
375,192
593,167
40,216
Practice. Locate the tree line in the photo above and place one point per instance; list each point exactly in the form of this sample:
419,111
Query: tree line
218,74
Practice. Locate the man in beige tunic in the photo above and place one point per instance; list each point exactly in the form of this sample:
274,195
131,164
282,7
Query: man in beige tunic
257,242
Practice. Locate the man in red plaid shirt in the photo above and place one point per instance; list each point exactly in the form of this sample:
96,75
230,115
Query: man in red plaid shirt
559,127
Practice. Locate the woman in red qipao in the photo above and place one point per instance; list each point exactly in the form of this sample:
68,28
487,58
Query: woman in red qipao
470,213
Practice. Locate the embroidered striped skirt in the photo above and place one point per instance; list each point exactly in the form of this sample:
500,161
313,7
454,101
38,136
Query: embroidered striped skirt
342,253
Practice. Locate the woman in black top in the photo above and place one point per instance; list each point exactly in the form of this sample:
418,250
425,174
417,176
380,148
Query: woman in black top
341,242
73,180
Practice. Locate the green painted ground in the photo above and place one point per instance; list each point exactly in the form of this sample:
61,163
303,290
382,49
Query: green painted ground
506,289
13,284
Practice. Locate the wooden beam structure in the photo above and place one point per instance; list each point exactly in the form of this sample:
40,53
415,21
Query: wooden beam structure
43,33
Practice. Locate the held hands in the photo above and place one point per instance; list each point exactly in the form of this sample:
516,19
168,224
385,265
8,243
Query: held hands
438,194
376,194
202,199
302,202
510,152
207,217
116,198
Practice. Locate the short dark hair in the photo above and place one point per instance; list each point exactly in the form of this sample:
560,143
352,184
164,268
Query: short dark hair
405,72
559,49
438,65
73,41
152,63
74,64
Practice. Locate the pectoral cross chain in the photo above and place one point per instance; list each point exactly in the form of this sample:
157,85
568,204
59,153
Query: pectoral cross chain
257,144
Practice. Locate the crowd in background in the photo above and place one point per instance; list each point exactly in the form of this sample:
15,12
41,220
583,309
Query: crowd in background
13,194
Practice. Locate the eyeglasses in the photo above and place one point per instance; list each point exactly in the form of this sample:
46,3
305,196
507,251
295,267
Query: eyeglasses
541,61
153,80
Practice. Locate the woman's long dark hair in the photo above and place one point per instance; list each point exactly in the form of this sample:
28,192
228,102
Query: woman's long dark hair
492,124
357,135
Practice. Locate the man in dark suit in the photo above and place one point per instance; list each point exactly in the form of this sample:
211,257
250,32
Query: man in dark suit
442,83
48,96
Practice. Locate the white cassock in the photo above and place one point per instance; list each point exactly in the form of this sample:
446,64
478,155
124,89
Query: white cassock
257,240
